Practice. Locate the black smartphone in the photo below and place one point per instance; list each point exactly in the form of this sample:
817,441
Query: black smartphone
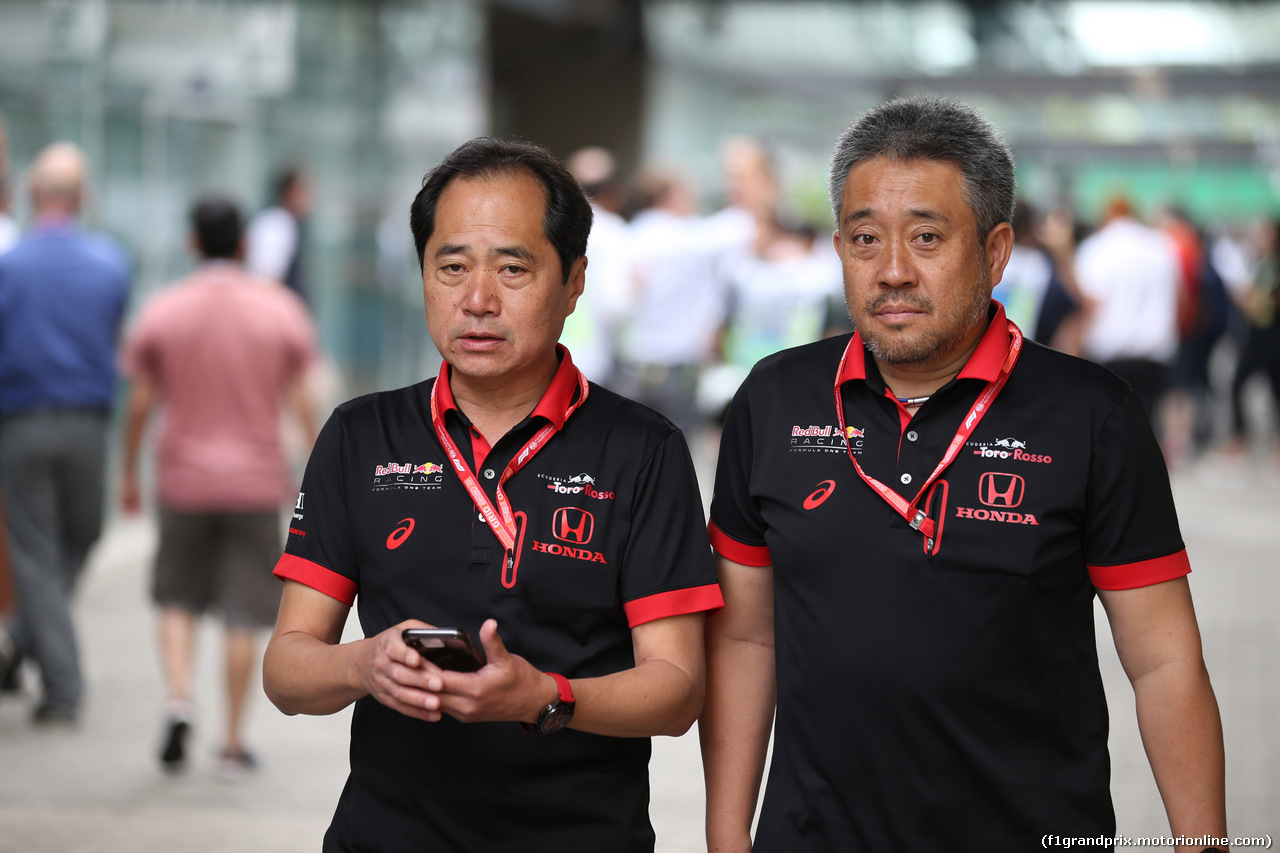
447,648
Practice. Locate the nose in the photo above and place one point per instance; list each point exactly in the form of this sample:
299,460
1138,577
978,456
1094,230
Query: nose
897,267
480,295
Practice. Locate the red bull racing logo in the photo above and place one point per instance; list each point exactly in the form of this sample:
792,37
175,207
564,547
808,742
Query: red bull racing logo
408,475
827,438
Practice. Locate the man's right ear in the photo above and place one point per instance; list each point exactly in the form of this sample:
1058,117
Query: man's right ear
577,282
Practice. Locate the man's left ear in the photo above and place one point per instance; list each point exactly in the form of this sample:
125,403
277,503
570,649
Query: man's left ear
576,282
999,245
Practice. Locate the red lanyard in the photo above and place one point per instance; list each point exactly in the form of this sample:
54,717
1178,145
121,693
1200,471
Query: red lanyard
502,520
916,517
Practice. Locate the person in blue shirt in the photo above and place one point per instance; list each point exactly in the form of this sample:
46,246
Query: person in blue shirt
63,292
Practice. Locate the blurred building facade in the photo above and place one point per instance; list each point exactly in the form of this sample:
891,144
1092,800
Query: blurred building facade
1171,101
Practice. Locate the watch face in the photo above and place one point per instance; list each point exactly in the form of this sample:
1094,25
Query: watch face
556,717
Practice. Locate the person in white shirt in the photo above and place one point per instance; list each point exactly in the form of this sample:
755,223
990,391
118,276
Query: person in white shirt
1027,275
1128,273
590,332
274,239
680,261
780,286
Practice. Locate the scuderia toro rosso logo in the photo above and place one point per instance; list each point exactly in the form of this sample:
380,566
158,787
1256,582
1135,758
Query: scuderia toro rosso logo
408,475
1008,448
578,484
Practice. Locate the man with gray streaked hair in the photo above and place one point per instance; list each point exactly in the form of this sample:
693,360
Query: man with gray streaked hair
933,129
909,569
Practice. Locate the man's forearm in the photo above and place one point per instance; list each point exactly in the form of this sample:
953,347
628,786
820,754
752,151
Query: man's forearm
304,675
734,731
137,411
656,697
660,695
303,403
1182,733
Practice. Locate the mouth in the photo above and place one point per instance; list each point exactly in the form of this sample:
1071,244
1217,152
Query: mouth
897,313
479,341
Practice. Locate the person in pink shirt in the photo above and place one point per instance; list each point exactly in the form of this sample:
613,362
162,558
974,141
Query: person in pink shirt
222,354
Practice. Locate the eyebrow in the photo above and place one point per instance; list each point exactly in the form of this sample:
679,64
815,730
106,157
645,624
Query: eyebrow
925,213
517,252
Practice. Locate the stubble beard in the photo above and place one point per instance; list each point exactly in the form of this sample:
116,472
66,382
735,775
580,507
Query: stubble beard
894,347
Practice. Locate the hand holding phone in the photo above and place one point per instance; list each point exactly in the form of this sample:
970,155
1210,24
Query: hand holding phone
447,648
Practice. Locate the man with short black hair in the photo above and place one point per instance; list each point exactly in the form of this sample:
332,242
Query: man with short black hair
554,520
912,522
223,353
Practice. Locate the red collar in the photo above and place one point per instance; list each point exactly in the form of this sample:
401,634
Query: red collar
555,401
984,364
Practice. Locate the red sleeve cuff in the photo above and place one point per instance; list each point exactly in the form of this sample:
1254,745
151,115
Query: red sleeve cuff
678,602
1141,573
732,549
317,577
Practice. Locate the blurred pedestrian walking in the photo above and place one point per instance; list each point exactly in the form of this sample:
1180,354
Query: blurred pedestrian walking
1203,308
63,291
1029,273
277,235
681,263
1260,304
1059,322
1129,275
219,351
781,283
590,332
9,234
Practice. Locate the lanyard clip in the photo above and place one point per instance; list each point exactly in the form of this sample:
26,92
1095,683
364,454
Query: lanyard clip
920,519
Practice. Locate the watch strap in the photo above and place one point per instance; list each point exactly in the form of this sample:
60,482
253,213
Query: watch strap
564,690
564,701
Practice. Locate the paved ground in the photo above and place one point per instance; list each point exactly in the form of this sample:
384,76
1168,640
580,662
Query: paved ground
98,788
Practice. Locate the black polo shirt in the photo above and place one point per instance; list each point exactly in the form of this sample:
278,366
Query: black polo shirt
610,535
944,697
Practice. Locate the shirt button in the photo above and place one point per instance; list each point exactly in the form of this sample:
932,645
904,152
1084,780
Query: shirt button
489,474
480,515
906,478
912,436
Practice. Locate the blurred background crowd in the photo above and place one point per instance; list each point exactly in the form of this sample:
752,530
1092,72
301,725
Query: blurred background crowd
708,124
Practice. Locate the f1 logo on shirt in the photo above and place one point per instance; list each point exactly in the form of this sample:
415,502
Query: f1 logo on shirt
1002,490
571,524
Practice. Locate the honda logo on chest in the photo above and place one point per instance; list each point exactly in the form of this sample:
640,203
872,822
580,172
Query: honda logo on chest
1002,490
571,524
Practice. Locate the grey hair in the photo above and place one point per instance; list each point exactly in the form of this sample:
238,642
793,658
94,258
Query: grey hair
926,128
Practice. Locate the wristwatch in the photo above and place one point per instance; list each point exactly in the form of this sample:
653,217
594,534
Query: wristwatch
557,715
